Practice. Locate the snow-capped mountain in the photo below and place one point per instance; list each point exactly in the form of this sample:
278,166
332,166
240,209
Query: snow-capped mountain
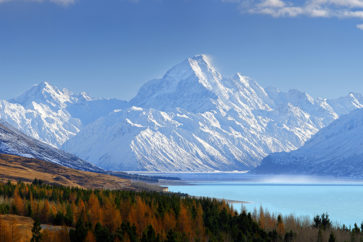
14,142
52,115
194,119
336,150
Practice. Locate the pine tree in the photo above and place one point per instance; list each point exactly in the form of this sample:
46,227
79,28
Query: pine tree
332,237
149,235
320,236
36,231
80,233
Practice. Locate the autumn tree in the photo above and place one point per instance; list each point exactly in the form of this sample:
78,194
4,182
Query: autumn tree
45,212
18,203
280,226
94,209
184,224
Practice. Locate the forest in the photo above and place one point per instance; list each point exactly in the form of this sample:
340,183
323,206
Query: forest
73,214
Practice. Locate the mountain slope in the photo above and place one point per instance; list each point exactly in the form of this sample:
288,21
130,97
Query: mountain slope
14,142
191,119
335,150
52,115
194,119
27,169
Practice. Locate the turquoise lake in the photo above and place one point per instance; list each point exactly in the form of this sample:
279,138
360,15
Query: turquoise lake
343,202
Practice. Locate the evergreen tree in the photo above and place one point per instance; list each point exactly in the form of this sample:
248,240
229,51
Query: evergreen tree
325,221
356,229
103,234
171,236
36,231
317,221
332,237
289,236
80,233
149,235
68,219
320,236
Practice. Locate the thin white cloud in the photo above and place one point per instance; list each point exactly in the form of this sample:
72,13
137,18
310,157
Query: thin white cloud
272,4
307,8
63,2
360,26
58,2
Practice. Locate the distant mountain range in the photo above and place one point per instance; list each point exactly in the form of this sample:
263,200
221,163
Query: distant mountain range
336,150
52,115
192,119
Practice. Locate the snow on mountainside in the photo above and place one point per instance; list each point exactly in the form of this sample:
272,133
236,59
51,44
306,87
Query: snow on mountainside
336,150
194,119
52,115
14,142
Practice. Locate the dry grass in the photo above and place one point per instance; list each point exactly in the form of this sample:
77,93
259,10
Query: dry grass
16,168
15,228
19,229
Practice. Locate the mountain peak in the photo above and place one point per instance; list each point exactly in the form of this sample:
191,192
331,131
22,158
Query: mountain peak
43,93
44,84
198,65
201,59
193,79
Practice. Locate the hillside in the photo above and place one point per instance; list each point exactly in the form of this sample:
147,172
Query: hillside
14,142
26,169
336,150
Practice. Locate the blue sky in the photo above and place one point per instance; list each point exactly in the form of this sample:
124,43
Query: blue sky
110,48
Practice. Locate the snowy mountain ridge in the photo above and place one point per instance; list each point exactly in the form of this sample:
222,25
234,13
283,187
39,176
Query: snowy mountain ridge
336,150
14,142
191,119
52,115
194,119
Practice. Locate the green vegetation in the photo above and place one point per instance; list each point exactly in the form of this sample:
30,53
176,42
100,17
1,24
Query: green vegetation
104,215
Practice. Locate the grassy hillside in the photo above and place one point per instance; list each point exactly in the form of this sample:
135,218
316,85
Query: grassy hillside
15,228
16,168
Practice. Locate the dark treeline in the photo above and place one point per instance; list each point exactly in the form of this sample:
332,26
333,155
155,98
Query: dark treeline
103,215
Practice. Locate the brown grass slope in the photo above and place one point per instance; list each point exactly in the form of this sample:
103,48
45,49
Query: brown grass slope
19,229
17,168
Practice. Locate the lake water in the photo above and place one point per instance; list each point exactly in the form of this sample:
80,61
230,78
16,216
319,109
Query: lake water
343,201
